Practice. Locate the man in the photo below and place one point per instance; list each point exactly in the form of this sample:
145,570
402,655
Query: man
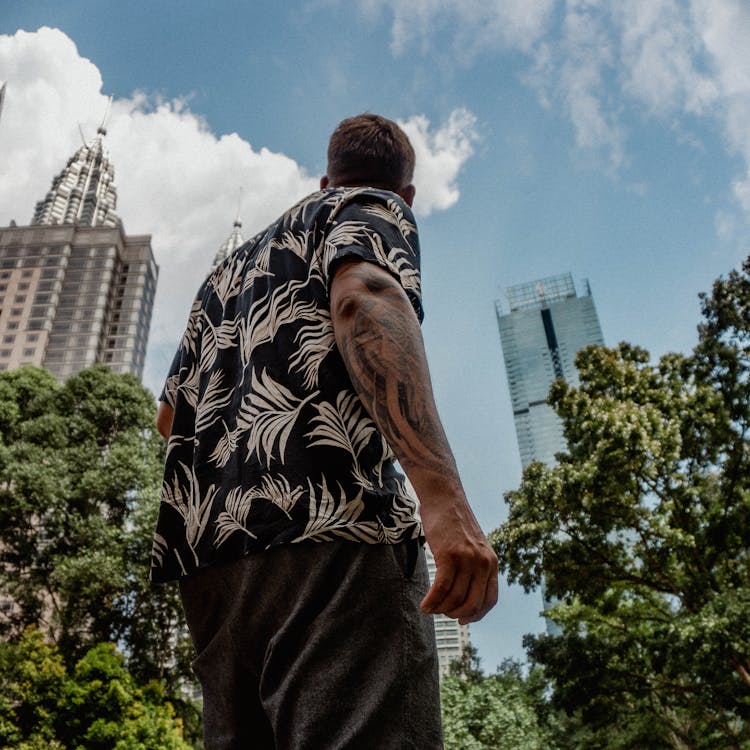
301,373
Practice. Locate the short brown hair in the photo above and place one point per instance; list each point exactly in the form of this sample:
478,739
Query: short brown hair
372,150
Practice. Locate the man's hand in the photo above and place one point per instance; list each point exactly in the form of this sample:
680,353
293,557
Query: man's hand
378,336
465,585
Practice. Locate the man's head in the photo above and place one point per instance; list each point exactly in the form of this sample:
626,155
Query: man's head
370,150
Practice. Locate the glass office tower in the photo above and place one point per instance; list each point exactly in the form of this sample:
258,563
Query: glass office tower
543,326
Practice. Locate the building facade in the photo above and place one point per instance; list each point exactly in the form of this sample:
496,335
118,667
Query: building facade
75,290
544,324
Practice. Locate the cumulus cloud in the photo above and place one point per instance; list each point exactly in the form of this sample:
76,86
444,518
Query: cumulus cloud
176,180
440,156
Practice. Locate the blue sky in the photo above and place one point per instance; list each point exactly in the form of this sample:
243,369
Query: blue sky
608,139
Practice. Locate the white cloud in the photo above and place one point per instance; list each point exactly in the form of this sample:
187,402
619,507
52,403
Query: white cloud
176,180
673,60
474,24
573,72
440,156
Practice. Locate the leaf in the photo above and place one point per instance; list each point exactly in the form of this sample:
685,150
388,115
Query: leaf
269,313
343,426
212,401
269,412
184,495
393,214
331,518
279,492
314,342
234,516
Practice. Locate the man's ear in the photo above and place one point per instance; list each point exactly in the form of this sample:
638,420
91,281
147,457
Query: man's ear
324,182
408,193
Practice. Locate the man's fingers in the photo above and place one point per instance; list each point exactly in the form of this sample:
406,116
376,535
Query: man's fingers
439,589
486,603
460,591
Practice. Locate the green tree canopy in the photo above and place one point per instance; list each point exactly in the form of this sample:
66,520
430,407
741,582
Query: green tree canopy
641,532
486,713
80,472
97,706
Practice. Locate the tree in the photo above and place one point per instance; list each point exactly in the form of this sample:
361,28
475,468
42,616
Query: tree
80,472
641,532
483,713
98,706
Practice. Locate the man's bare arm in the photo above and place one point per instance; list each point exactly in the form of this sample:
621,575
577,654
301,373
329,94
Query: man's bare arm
380,341
164,418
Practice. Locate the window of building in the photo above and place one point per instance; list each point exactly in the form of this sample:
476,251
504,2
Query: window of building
32,337
5,275
16,311
5,353
19,298
27,274
12,325
3,287
23,286
28,352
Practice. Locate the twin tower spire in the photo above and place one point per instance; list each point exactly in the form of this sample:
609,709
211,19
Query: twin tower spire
84,193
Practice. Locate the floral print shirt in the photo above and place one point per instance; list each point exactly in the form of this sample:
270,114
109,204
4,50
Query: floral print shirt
270,444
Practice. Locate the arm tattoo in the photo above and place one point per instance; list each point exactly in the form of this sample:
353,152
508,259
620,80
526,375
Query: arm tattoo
382,348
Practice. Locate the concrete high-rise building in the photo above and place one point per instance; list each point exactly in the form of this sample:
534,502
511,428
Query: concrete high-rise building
451,637
543,326
75,290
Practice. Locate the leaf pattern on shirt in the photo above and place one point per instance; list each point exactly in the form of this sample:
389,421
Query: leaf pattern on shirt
344,425
234,516
332,517
270,444
214,399
315,341
393,214
269,413
184,495
278,491
268,314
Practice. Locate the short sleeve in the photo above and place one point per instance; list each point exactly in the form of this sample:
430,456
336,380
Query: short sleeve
169,392
376,226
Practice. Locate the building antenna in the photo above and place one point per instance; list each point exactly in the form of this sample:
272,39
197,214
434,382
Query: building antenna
102,129
2,96
80,130
237,221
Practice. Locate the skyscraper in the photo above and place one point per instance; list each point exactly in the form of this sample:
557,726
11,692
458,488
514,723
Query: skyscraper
542,328
74,288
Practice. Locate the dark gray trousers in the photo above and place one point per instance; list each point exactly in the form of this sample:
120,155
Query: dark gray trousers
316,647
